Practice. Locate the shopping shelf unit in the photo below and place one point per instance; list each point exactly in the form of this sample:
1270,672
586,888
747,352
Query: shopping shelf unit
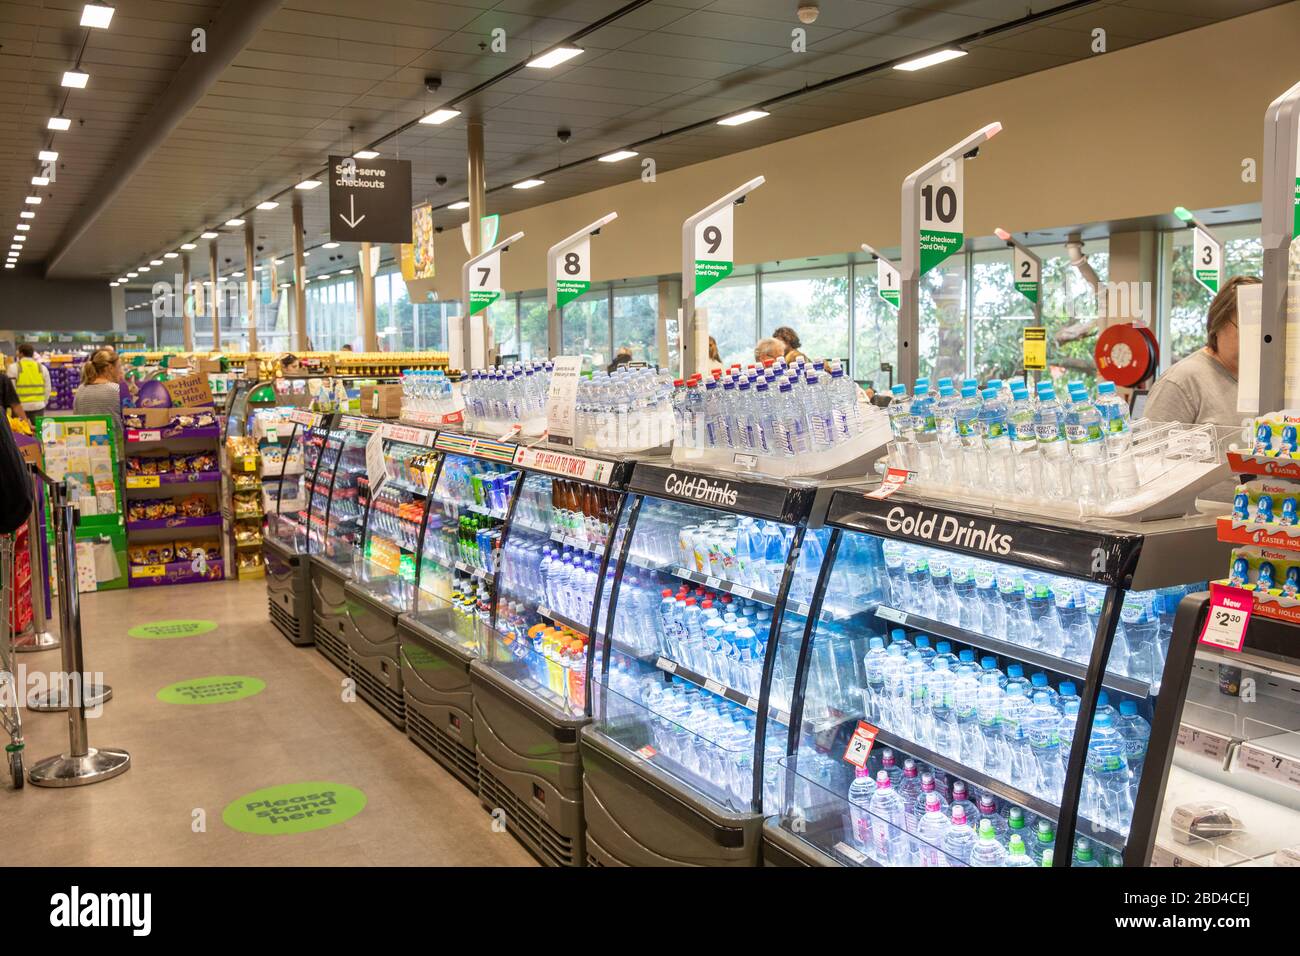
288,577
1019,618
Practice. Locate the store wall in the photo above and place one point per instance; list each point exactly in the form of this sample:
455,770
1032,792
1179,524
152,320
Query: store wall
1117,136
32,303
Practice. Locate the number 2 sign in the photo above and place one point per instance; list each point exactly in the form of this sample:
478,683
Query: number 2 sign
713,249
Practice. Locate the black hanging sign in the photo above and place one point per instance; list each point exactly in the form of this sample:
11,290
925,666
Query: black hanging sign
777,502
370,199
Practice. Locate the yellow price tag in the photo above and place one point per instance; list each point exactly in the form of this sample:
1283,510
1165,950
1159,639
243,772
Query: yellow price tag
148,570
1035,347
142,481
250,463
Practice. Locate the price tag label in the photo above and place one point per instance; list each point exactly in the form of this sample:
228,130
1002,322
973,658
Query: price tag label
891,614
1193,740
664,664
894,479
1225,625
851,853
148,571
272,435
751,703
143,481
1274,766
646,753
745,461
250,463
1162,857
741,591
860,744
711,685
711,582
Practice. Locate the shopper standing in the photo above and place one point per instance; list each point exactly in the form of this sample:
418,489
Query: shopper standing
31,378
100,391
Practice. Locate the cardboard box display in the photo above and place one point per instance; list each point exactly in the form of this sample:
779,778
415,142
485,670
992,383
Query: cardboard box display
381,401
189,390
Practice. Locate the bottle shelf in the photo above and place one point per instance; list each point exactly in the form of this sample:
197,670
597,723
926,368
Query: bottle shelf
670,666
555,617
710,582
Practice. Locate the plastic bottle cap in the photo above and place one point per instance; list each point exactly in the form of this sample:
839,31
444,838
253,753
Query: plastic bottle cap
1128,708
882,780
1105,388
958,813
1042,698
1066,689
1015,670
876,642
1039,679
968,391
898,388
922,640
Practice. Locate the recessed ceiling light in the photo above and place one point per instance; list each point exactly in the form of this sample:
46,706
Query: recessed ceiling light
330,245
155,262
277,262
308,184
75,79
930,59
96,15
366,154
438,117
60,123
40,181
208,235
306,254
529,184
553,58
257,268
618,156
9,265
170,255
187,246
33,200
284,285
232,223
132,275
267,204
459,205
23,227
323,275
345,272
236,275
48,156
16,245
741,118
143,268
27,214
20,238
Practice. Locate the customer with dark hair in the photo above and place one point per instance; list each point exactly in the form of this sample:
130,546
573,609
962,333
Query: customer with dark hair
622,358
289,363
790,337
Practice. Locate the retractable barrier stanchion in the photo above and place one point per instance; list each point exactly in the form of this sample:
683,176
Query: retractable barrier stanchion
82,764
40,639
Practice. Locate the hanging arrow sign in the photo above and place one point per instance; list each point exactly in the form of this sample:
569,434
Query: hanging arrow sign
370,200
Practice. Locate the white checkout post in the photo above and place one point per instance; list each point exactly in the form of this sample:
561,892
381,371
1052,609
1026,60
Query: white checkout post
707,257
568,276
480,283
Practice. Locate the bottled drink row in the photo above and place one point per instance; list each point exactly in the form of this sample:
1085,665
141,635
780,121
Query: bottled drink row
561,578
625,410
470,539
469,482
554,656
1005,439
506,394
427,391
774,410
1045,612
741,550
575,510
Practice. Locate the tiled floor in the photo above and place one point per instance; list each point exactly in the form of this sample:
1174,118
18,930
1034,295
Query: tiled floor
201,757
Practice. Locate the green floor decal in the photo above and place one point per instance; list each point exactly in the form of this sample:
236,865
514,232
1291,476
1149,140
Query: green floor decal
211,690
158,630
294,808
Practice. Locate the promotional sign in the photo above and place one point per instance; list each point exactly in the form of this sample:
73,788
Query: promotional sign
713,248
860,744
1027,274
561,400
370,200
1207,260
1225,624
941,224
417,255
894,479
375,470
485,282
572,271
1034,347
887,281
744,496
189,391
566,465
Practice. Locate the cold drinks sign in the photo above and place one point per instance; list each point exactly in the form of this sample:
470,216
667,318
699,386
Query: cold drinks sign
370,200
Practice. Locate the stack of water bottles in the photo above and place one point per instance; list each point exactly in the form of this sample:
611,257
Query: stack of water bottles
559,578
502,396
774,410
740,550
1045,612
1004,440
628,409
427,393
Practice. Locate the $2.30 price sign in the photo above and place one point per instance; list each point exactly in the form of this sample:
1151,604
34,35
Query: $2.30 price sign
1225,625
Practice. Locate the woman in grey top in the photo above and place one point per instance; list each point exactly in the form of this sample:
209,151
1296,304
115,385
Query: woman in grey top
100,390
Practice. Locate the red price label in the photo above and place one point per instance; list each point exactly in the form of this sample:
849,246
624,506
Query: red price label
894,479
1225,625
860,744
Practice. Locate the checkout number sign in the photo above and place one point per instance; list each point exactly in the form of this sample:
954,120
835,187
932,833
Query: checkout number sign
484,282
887,282
713,248
1027,274
572,272
1208,265
942,198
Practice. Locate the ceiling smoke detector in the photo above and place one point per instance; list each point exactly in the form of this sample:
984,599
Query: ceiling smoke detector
807,11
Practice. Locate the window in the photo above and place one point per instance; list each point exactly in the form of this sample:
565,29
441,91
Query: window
875,330
942,348
733,317
636,315
999,315
585,328
1186,301
503,319
813,302
532,326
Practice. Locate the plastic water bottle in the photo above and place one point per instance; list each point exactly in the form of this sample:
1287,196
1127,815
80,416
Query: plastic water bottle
1121,471
946,608
844,403
970,469
946,737
1142,630
874,668
890,844
1049,424
910,791
1015,710
987,810
1044,840
821,417
1016,853
860,792
1047,634
931,831
928,786
1083,853
997,442
1071,609
1017,622
920,586
1107,797
1136,732
926,429
965,698
899,410
997,759
1083,432
1043,728
889,766
987,851
993,616
960,838
965,594
894,556
945,419
1021,423
1038,684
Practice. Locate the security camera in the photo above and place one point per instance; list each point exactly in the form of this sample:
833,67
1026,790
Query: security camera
261,248
432,84
807,11
440,180
563,134
437,228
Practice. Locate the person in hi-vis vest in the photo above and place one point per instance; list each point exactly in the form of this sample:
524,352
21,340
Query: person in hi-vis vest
31,379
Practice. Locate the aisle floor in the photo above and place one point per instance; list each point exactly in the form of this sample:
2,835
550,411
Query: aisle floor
193,757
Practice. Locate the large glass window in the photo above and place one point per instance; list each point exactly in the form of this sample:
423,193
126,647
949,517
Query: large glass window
636,315
532,326
585,328
875,331
999,315
1186,301
503,319
733,317
942,349
815,304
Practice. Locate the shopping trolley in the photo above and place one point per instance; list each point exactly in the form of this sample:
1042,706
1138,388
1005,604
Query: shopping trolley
11,721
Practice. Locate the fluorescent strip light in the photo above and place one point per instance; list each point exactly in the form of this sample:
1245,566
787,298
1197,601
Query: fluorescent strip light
740,118
619,156
236,275
113,284
553,58
48,156
929,59
40,181
345,272
75,79
330,245
306,254
277,262
438,117
33,200
529,184
96,15
366,154
459,205
9,265
187,246
27,214
267,204
308,184
170,255
155,262
323,275
132,275
144,268
208,235
20,238
59,124
17,246
23,227
232,223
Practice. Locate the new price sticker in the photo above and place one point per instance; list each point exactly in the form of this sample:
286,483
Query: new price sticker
1225,625
860,744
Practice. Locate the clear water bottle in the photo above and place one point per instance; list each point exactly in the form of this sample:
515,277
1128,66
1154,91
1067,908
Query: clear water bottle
874,667
910,791
1044,840
946,607
1014,711
988,703
1142,630
889,765
960,838
1121,470
1022,425
1048,635
889,841
1049,425
965,594
987,851
1017,622
821,418
1083,855
993,616
1083,432
1043,728
945,418
1136,732
970,469
860,792
966,689
926,429
988,811
997,442
894,555
1107,799
932,831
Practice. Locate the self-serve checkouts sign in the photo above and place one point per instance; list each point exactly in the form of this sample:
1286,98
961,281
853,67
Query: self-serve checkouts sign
370,200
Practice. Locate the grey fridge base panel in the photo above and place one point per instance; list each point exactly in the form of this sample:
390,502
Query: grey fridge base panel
439,699
783,848
329,615
371,636
288,593
637,816
527,815
424,726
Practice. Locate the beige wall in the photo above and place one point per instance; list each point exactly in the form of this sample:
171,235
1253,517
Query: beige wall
1116,136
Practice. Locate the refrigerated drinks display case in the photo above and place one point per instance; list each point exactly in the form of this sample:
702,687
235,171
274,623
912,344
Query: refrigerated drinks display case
710,569
1232,789
455,571
977,689
337,510
384,579
529,680
288,577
